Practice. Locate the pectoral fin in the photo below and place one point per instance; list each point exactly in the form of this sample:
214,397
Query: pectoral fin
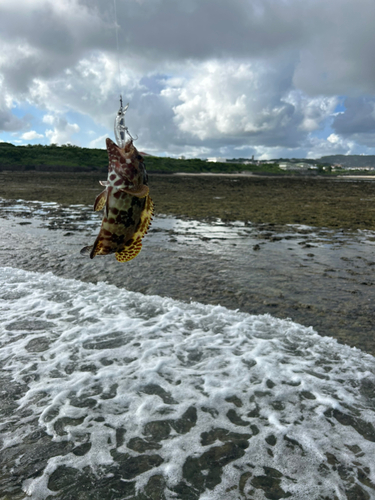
86,250
100,201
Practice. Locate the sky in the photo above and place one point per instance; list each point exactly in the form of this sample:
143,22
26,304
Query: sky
228,78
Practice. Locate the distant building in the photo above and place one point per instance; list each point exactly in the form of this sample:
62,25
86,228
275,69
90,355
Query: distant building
251,162
295,166
288,166
359,168
217,159
304,165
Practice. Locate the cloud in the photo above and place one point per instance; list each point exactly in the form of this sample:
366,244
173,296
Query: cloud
248,103
326,38
99,142
62,132
203,77
338,58
48,119
50,36
31,135
358,117
8,121
334,144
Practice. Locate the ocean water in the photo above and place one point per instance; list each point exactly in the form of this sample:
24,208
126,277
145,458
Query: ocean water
315,276
111,394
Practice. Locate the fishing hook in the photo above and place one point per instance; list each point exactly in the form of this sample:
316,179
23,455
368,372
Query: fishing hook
120,128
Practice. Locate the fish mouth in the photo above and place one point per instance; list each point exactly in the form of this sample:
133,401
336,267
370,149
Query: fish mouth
110,144
115,150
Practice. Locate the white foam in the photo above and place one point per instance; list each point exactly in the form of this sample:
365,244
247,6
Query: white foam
93,359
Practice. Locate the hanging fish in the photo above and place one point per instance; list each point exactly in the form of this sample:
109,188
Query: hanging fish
128,208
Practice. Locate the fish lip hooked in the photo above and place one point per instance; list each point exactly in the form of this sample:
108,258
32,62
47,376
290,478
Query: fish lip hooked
109,143
115,152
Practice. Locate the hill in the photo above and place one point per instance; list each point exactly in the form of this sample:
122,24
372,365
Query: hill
359,161
52,157
76,159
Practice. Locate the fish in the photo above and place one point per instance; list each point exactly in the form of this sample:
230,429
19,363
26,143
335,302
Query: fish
128,208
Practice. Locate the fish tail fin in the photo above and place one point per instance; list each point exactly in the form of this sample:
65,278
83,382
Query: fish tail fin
130,251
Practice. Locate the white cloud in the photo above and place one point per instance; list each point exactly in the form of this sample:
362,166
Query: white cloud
48,119
62,132
314,110
334,139
201,76
31,135
334,144
236,102
218,100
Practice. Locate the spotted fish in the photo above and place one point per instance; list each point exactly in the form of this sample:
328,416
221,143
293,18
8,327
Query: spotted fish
128,208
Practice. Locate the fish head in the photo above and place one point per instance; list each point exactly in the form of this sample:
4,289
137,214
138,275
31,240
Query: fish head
126,165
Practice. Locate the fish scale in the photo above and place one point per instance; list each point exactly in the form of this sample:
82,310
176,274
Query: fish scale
128,208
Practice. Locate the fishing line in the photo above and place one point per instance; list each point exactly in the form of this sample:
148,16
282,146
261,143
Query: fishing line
120,128
118,49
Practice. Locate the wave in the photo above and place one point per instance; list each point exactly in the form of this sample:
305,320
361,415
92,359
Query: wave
115,394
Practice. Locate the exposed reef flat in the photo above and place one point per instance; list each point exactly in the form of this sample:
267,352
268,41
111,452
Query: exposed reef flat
320,202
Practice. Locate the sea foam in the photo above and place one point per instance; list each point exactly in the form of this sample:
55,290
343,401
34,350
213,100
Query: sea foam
114,394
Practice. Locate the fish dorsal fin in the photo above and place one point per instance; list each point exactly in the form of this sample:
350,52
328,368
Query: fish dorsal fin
132,250
139,192
100,201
